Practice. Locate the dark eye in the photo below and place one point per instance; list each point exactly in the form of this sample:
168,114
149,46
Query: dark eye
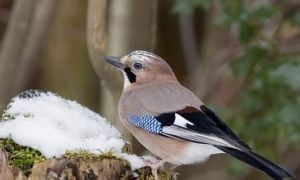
138,66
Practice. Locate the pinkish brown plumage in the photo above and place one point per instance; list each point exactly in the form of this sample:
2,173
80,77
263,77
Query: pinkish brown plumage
171,122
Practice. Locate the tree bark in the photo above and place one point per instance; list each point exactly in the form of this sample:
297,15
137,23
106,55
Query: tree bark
8,172
76,169
64,168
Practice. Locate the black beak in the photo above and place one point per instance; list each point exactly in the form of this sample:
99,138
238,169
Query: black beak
115,61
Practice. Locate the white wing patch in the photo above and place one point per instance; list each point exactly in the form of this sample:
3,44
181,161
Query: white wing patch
181,121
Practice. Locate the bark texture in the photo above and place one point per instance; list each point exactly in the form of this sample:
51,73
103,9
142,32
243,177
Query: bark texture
8,172
76,169
69,169
64,168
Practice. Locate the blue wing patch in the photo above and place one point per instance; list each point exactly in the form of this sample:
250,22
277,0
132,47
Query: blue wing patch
147,122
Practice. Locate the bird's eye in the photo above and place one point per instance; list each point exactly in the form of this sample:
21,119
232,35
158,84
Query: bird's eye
138,66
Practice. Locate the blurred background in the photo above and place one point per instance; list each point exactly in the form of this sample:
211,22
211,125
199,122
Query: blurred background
242,58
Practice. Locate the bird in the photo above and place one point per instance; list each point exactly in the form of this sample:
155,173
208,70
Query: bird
172,122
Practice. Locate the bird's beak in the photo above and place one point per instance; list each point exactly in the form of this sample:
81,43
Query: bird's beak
115,61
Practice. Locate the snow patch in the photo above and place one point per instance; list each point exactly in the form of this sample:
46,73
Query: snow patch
54,125
137,162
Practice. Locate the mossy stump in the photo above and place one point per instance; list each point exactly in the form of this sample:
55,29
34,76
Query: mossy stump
71,168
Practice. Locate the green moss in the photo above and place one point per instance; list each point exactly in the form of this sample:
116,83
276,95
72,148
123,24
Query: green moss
145,174
127,148
87,155
164,174
22,157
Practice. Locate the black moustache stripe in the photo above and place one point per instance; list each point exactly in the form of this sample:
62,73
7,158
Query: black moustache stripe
130,75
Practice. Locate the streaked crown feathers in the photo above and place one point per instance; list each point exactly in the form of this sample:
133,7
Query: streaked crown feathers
143,56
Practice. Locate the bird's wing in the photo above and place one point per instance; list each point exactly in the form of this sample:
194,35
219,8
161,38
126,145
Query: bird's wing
190,124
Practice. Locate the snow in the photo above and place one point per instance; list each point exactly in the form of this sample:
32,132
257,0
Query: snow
54,125
137,162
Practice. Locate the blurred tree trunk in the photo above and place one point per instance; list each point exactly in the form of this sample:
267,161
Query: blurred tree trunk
39,26
27,28
130,25
64,67
110,81
168,39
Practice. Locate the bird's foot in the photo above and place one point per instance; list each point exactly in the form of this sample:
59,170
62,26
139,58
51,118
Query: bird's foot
154,166
147,162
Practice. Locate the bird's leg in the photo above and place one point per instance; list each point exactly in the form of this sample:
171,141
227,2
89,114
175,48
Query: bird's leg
154,166
154,173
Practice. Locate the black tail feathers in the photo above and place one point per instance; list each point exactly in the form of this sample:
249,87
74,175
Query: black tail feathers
259,162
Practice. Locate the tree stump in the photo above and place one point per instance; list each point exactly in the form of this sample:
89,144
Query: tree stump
6,171
77,169
63,168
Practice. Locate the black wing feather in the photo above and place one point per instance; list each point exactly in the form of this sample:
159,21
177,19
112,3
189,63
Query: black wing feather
205,122
220,124
259,162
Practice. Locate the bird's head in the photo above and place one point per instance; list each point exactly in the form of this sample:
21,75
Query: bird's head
140,67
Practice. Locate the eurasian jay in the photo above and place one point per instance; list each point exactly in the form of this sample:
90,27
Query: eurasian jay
171,122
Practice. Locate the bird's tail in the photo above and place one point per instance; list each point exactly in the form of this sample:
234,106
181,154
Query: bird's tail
259,162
